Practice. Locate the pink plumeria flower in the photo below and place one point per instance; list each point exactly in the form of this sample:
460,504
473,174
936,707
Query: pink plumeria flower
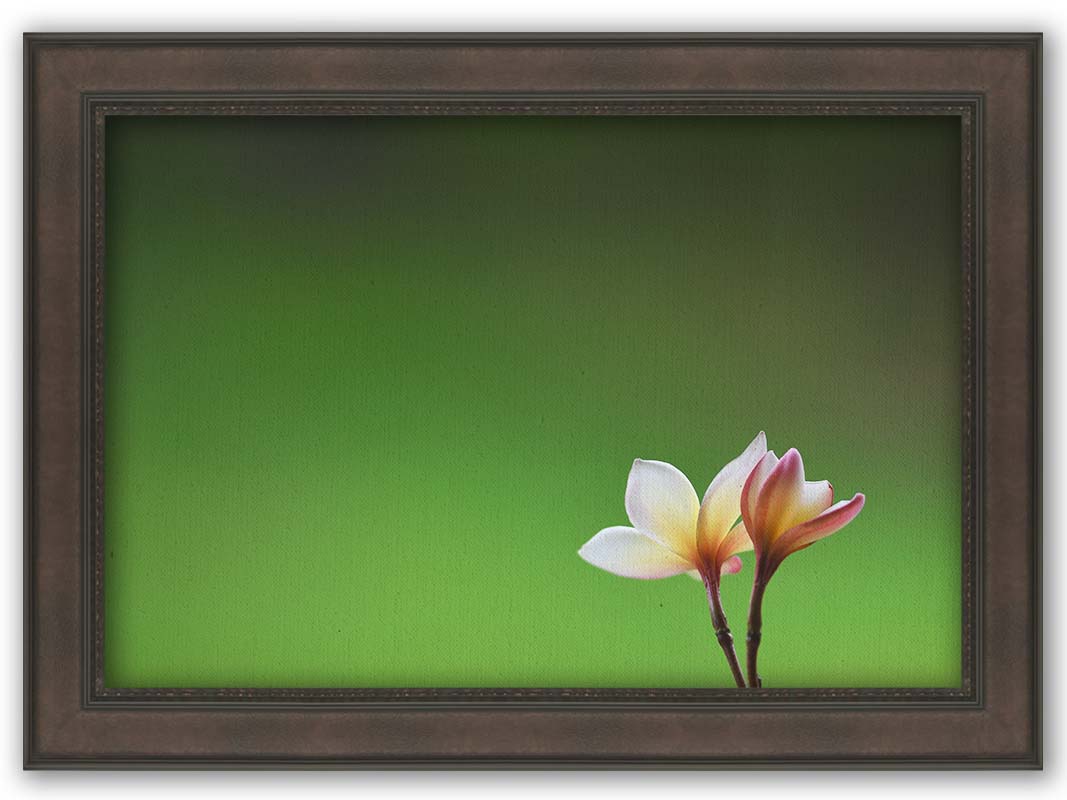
674,532
784,513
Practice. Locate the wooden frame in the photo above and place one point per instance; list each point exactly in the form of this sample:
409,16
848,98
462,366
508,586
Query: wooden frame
73,83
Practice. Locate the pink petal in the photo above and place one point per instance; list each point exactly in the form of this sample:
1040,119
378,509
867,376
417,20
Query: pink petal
731,566
815,497
778,498
751,491
830,521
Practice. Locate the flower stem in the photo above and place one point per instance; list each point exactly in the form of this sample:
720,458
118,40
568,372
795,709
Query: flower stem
755,626
722,630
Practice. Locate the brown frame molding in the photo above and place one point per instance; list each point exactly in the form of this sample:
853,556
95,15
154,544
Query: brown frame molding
99,108
74,82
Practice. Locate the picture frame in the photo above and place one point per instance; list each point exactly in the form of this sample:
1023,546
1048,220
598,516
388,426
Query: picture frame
75,82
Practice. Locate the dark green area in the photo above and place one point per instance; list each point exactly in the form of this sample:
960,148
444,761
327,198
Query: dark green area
371,382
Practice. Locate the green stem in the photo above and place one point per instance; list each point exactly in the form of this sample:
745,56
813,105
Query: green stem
722,630
755,626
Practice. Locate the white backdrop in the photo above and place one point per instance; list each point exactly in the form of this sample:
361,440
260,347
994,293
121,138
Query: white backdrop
520,15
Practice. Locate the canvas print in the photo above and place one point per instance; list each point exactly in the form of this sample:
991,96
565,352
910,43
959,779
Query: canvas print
533,401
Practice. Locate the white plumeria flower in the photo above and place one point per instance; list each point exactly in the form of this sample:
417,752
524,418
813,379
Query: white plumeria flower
674,532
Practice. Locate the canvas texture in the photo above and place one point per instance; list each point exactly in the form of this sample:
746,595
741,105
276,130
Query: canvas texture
371,383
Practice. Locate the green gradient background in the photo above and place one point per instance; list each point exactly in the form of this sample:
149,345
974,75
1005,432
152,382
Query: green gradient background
371,382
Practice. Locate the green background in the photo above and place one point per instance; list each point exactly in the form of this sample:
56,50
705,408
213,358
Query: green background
372,382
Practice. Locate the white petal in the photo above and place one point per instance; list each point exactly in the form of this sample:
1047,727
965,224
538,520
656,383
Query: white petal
722,501
632,554
661,500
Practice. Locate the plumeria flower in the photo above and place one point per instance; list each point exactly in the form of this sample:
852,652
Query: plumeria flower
784,513
674,532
